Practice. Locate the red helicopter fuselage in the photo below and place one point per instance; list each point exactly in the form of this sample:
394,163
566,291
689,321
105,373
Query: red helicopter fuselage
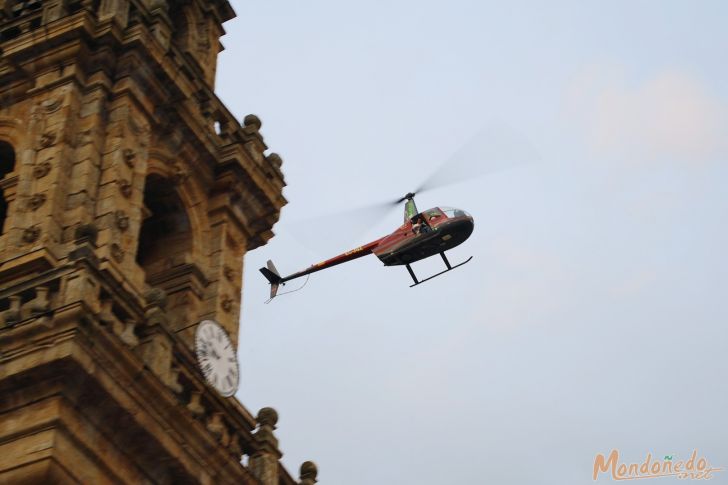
425,234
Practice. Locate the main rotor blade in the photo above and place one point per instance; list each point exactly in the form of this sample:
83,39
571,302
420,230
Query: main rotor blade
495,148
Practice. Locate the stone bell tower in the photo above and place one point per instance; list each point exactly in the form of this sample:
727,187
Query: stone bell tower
128,197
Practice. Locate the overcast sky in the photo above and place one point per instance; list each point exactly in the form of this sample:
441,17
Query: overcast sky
593,315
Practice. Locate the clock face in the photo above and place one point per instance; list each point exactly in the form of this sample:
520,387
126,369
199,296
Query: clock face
216,357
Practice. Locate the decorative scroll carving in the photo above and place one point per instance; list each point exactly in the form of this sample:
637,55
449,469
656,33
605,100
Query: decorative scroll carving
122,220
129,157
125,187
227,304
47,139
229,273
52,105
41,169
35,201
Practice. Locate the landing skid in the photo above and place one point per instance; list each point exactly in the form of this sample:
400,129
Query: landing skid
447,263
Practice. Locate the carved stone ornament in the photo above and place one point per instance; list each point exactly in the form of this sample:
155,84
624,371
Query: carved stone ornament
129,157
35,201
41,169
47,139
122,220
117,253
227,304
125,187
31,234
52,105
228,272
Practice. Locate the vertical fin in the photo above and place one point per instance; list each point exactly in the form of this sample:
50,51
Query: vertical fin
273,290
273,277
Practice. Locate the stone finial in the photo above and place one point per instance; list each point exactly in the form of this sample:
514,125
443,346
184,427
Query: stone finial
267,417
275,159
252,120
309,472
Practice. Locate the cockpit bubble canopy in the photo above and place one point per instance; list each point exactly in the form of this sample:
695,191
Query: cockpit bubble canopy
452,212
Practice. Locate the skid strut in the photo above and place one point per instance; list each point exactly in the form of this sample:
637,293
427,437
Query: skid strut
447,264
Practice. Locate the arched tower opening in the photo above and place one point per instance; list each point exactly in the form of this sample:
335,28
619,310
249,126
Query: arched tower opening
7,166
165,238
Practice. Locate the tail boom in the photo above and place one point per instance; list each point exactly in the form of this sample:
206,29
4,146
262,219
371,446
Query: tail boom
275,279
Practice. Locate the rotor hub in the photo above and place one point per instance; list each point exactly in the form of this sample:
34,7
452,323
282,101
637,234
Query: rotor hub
409,196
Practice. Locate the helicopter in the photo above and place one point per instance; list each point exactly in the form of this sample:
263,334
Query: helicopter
437,230
423,234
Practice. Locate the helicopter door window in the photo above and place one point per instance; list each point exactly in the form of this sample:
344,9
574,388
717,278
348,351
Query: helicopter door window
433,217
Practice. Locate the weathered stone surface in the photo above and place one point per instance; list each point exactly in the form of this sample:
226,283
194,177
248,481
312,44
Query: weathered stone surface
124,218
